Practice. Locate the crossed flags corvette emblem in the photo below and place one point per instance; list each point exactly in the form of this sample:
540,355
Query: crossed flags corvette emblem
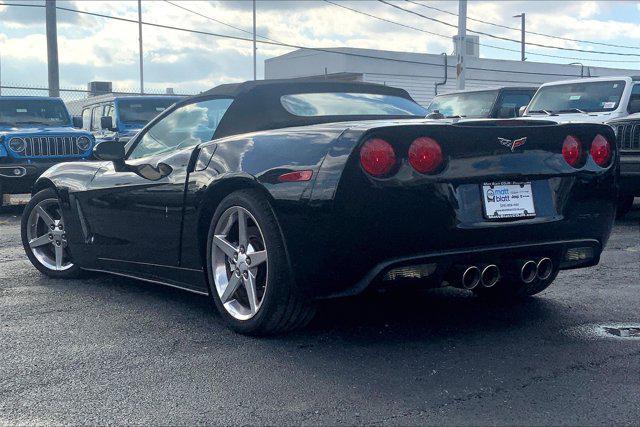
512,145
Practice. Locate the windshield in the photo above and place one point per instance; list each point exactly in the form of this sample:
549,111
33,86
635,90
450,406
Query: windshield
577,97
350,104
470,104
33,112
142,111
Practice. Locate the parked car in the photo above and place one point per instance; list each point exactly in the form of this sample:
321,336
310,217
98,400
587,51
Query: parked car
503,102
628,136
118,118
35,133
269,195
595,100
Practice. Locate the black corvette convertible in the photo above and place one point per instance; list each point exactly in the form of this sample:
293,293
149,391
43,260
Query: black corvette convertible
270,195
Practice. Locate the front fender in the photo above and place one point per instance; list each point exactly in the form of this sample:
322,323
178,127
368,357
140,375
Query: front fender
70,176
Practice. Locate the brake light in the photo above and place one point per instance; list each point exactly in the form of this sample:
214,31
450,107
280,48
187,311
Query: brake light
377,157
601,151
425,155
572,150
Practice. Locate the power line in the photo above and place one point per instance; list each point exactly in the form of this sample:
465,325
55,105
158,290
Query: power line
473,41
506,38
518,29
387,20
289,45
217,20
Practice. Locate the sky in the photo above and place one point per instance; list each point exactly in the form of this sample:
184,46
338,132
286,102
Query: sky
96,48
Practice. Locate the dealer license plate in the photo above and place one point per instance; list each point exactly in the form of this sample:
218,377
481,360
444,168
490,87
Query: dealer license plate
508,200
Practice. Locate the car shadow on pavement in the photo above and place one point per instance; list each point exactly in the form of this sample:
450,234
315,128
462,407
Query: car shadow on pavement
415,315
432,314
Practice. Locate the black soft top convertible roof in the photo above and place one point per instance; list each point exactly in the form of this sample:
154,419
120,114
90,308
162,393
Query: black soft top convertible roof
257,105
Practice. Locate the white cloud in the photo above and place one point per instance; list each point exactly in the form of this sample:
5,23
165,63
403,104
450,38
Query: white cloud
99,48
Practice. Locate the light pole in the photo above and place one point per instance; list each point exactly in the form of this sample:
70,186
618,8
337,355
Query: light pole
522,29
255,49
461,45
140,45
52,48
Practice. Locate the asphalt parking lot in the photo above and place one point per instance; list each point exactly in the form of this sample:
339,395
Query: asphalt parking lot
108,350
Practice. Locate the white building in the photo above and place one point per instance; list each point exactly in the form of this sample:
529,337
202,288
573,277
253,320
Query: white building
419,72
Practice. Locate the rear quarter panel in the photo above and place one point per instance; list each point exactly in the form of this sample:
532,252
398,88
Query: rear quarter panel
256,160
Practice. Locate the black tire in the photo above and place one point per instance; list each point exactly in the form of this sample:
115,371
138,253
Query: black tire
625,204
283,307
74,271
514,289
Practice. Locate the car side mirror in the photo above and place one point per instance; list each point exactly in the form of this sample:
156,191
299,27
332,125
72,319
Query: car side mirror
634,106
77,122
507,112
109,150
106,122
521,110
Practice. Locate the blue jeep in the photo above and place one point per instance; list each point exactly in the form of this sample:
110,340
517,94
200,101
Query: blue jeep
118,118
35,133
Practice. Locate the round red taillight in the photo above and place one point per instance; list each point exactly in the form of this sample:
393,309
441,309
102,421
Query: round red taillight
377,157
572,150
425,155
601,151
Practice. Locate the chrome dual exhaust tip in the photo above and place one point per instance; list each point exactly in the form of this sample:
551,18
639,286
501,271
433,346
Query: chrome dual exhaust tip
532,270
490,275
545,268
471,277
529,271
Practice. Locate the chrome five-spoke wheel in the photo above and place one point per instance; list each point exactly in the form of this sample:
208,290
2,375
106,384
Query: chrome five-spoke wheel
239,262
47,237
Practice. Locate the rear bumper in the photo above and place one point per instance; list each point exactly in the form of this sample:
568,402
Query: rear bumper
502,255
351,244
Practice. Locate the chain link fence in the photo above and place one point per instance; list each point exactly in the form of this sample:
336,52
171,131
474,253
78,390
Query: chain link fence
71,96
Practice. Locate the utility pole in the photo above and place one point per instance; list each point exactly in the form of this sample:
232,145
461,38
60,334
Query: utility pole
255,49
140,45
52,48
522,28
461,45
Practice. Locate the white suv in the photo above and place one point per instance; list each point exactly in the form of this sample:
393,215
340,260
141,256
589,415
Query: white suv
596,99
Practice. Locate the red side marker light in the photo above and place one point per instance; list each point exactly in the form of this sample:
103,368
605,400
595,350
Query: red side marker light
296,176
601,151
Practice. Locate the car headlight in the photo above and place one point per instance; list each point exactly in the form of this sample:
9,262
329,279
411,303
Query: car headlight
83,143
17,145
